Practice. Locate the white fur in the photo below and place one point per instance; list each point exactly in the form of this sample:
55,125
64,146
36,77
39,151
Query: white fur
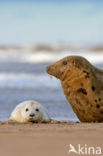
20,114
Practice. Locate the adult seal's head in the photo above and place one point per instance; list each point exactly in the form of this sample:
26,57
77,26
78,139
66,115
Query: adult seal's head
68,67
83,86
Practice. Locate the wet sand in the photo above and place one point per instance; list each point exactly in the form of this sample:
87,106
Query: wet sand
48,139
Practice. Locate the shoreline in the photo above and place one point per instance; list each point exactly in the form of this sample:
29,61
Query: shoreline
56,126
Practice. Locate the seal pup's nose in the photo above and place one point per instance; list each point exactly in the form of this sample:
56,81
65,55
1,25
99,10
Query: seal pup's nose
32,115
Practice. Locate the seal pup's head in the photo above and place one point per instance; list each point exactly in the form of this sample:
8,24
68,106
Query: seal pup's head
69,66
29,111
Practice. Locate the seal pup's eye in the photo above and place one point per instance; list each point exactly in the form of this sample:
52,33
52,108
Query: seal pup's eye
27,109
64,62
37,109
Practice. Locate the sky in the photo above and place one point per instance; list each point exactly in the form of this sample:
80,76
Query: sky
45,21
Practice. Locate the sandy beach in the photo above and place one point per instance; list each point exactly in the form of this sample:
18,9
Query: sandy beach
48,139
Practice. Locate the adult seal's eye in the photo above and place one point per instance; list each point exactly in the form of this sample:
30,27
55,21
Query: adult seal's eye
64,62
37,109
27,109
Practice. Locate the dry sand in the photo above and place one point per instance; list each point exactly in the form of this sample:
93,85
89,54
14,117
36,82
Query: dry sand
47,139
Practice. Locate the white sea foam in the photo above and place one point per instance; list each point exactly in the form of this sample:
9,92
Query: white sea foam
27,80
25,56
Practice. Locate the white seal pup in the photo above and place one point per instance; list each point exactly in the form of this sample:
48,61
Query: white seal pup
29,111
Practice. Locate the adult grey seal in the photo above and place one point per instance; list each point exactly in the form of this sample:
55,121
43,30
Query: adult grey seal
83,86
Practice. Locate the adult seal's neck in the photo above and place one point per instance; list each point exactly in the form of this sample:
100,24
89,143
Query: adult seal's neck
72,78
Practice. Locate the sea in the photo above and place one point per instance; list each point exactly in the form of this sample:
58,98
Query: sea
34,34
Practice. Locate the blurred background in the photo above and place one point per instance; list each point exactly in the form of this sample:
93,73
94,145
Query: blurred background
35,33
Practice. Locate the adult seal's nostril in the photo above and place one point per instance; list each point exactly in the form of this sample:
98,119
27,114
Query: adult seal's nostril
48,68
32,115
